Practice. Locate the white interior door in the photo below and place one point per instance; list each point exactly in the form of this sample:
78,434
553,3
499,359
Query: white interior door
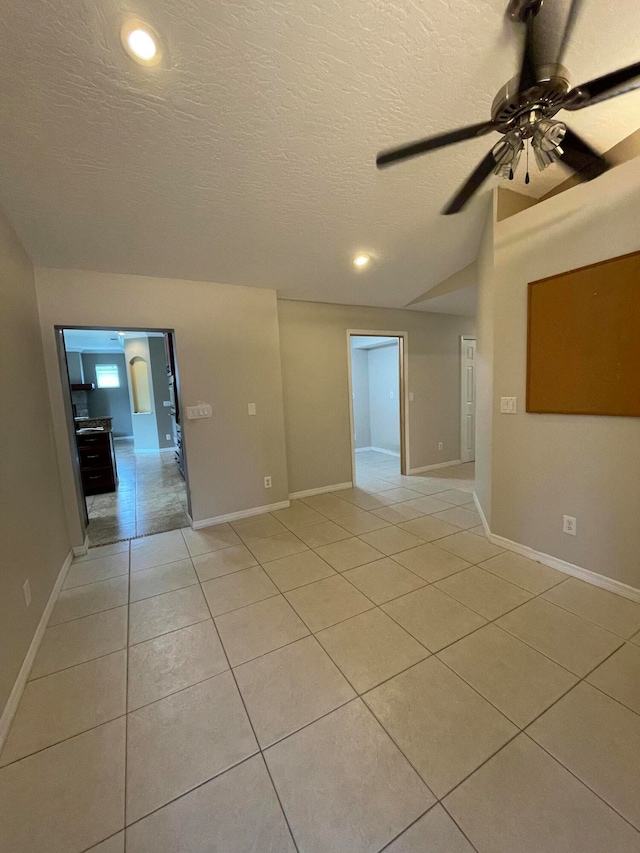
468,400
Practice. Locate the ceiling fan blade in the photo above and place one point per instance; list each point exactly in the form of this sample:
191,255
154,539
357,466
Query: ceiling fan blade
571,17
602,88
472,184
528,66
580,156
404,152
548,28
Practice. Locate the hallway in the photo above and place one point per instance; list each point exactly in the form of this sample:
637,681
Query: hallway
362,671
151,497
371,465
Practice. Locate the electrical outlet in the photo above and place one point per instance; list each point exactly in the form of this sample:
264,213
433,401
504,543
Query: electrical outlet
411,396
391,394
26,589
569,525
267,482
251,408
440,446
167,437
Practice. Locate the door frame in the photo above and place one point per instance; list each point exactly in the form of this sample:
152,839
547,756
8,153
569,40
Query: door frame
403,406
59,329
463,341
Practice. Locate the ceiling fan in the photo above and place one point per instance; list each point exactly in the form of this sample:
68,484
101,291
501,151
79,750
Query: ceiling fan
523,110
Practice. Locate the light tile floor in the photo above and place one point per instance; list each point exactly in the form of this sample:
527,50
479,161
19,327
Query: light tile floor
329,678
151,498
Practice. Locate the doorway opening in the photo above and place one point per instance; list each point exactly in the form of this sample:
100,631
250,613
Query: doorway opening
124,422
468,398
377,381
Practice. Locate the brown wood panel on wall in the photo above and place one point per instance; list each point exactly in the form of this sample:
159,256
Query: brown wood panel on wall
584,340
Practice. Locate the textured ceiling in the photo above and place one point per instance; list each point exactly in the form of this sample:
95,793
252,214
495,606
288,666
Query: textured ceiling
247,156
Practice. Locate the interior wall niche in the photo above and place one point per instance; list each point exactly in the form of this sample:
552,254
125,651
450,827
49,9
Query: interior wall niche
140,385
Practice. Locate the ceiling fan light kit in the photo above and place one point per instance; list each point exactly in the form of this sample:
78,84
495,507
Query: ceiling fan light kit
524,109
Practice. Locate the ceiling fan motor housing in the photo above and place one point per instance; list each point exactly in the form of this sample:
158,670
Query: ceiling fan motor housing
523,111
545,97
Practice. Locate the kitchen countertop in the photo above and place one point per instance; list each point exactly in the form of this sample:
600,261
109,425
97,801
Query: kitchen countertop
101,424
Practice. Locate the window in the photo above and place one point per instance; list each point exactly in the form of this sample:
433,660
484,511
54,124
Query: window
107,376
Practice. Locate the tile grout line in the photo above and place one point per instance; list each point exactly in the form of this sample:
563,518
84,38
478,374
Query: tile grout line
519,730
624,640
185,794
427,583
126,710
87,615
79,663
63,740
261,753
523,731
358,694
581,781
452,818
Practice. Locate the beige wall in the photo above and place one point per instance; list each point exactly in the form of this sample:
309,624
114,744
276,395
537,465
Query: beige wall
228,355
315,375
545,466
484,362
34,541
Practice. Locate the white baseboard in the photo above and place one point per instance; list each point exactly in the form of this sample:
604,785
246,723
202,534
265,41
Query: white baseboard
123,438
376,450
309,493
236,516
25,670
433,467
483,517
586,575
81,550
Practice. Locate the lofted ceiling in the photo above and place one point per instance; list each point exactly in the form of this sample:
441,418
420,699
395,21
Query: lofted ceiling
247,155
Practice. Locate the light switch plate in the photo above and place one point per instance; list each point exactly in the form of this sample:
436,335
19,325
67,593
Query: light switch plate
411,396
251,408
202,410
508,405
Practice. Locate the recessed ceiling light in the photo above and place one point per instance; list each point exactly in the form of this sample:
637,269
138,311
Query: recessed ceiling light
361,261
141,42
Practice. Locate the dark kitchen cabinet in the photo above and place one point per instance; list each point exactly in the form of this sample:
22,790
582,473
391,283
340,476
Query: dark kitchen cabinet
97,462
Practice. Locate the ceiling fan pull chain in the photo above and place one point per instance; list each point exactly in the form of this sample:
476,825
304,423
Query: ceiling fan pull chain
527,178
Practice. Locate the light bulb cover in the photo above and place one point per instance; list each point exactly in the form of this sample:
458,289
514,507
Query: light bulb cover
141,42
507,154
548,135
